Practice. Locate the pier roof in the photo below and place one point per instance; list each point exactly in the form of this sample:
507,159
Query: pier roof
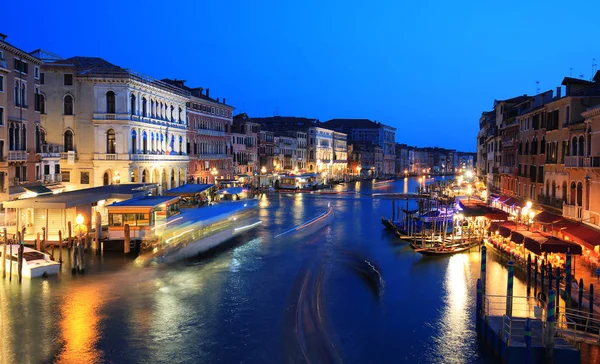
189,188
144,201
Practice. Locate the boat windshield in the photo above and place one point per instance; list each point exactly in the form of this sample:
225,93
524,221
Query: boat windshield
33,256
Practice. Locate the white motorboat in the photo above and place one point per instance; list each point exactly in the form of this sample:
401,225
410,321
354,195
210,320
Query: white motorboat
35,263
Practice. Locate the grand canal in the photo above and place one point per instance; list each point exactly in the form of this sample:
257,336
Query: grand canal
237,305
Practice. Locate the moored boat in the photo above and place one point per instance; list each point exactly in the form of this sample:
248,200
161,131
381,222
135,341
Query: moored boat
446,250
35,263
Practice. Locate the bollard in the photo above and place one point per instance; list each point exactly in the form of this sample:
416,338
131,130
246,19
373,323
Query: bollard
478,307
528,340
20,261
557,290
591,300
4,254
568,280
528,275
550,328
10,267
60,246
550,276
535,277
38,242
542,272
74,257
69,241
509,288
483,267
580,301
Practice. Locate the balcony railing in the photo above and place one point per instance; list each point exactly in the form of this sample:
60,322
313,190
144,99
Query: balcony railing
159,157
51,150
210,132
508,170
575,212
550,201
17,155
144,119
52,178
213,156
110,156
574,162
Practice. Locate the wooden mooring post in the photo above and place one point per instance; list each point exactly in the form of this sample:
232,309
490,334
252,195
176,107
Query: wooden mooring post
568,279
4,254
535,276
509,288
550,326
69,239
126,239
20,258
483,268
528,275
60,246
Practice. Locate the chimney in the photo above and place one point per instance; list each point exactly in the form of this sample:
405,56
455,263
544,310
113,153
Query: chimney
224,100
207,92
558,90
3,37
217,99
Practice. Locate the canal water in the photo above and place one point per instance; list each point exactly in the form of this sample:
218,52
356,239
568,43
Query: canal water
241,304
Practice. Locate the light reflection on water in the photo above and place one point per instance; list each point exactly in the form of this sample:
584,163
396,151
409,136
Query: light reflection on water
229,306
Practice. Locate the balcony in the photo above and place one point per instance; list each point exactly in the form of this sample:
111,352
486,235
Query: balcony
550,202
110,156
159,157
575,212
212,156
17,155
574,162
51,151
143,119
508,170
208,132
52,178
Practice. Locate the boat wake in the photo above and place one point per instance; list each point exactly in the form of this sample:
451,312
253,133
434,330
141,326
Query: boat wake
312,225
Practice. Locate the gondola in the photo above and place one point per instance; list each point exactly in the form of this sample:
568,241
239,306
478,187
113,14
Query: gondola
440,251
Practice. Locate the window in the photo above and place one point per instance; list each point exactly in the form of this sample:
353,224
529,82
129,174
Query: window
133,142
66,176
1,116
105,179
132,104
46,169
567,114
68,105
36,72
68,141
57,168
68,79
42,78
37,100
144,102
110,102
85,178
110,142
1,83
42,104
21,66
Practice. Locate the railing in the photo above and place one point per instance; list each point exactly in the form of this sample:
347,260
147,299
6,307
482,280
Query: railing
52,178
550,201
68,155
574,162
515,328
575,324
213,156
109,156
147,119
522,307
573,211
210,132
17,155
51,150
158,157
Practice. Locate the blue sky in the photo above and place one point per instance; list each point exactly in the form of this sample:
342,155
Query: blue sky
428,68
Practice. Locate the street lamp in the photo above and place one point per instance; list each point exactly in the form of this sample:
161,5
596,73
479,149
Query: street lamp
214,173
80,229
116,179
263,170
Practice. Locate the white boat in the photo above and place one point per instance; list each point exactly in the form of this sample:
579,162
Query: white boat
35,264
200,230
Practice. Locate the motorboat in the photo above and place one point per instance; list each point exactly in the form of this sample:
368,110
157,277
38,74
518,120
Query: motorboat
35,263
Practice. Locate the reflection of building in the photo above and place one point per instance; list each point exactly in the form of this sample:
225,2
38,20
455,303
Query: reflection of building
208,125
114,125
21,104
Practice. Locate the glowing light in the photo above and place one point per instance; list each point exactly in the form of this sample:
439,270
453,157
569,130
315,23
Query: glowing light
531,214
79,219
529,204
247,226
469,174
263,170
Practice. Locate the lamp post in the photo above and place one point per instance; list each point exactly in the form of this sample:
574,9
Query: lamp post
80,232
116,180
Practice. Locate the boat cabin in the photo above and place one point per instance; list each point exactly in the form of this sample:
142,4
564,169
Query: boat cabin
304,181
146,216
233,194
193,195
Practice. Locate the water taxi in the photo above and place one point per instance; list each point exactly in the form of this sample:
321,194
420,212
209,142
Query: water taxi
35,264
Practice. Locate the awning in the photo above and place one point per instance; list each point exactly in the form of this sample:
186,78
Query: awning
517,237
493,196
583,235
504,231
510,201
538,244
497,215
546,217
39,189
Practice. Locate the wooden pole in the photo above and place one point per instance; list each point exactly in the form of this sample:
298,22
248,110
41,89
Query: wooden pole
81,258
11,262
74,259
69,241
98,230
20,259
4,254
37,242
127,239
60,246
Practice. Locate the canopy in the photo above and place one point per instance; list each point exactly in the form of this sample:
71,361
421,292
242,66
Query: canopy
232,190
504,231
517,237
538,244
546,217
583,234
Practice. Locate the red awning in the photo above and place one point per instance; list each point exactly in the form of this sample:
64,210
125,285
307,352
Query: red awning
501,199
583,235
538,244
510,201
497,215
546,217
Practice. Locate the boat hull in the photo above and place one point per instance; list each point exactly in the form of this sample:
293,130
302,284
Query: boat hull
437,252
44,270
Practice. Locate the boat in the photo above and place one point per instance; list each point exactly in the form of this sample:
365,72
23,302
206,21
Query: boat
35,263
199,230
317,221
447,250
388,224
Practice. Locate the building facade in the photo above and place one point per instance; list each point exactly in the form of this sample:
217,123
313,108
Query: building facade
114,125
244,137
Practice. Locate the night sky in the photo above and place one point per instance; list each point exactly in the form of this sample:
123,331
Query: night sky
428,68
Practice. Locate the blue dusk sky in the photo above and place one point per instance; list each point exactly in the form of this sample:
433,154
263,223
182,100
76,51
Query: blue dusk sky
428,68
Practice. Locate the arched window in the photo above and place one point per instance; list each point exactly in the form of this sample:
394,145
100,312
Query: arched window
17,94
38,141
68,141
534,146
573,191
180,145
564,191
24,138
547,188
23,95
144,176
42,104
172,114
133,142
553,189
172,144
132,101
574,146
110,103
581,146
520,148
579,194
543,146
110,141
152,113
144,106
68,105
527,147
145,143
589,142
105,179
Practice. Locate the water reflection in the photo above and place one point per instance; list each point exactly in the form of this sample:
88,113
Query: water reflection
80,323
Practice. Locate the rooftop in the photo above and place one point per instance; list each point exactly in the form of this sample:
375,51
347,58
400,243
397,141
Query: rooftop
189,189
144,201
